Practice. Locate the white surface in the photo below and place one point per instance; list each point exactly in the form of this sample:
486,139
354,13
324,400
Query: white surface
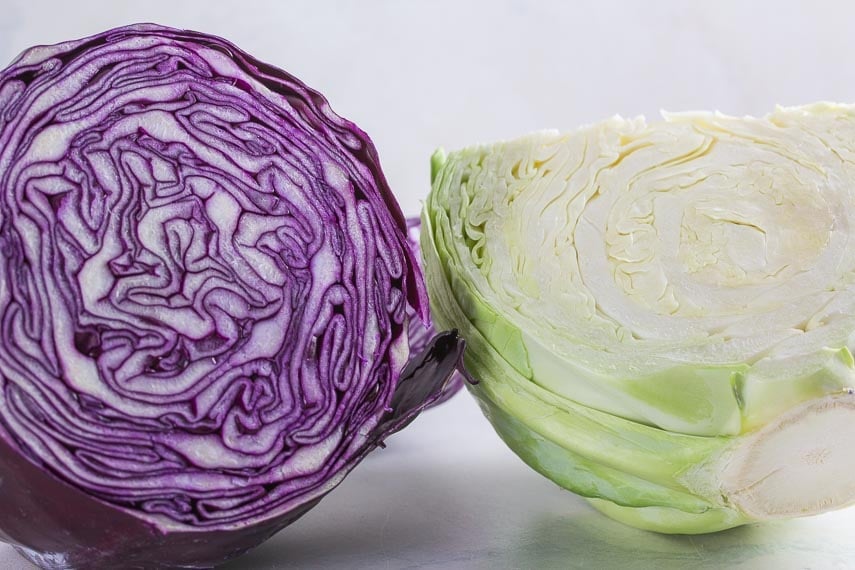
416,75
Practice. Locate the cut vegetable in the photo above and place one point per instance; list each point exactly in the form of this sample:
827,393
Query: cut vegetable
662,315
206,292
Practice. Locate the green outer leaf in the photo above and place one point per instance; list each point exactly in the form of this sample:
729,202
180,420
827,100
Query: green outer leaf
671,521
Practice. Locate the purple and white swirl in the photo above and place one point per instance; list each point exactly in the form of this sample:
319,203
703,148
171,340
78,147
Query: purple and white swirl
204,278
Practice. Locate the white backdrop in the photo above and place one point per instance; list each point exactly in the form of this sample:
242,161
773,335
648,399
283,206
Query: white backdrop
417,75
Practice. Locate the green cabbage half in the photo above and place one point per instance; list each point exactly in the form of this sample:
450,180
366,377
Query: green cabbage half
661,316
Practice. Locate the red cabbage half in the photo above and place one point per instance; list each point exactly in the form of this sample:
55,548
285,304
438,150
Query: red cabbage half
205,296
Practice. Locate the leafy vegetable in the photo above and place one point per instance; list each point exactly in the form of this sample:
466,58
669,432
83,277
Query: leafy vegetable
661,315
421,334
205,295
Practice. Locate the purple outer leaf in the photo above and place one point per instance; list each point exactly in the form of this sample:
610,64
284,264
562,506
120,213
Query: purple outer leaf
206,292
422,332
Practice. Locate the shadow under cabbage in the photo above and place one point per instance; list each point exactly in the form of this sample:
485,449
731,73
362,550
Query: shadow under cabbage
591,540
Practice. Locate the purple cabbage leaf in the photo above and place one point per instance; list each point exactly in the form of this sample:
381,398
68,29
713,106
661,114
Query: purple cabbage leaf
206,294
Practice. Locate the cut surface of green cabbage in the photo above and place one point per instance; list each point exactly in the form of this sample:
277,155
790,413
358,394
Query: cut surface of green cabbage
661,315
